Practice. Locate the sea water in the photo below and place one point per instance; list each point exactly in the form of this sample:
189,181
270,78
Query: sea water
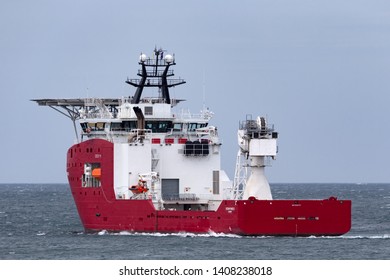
40,221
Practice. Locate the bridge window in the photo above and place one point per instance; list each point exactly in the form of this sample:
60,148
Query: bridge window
88,127
177,127
100,125
158,126
84,126
124,126
195,126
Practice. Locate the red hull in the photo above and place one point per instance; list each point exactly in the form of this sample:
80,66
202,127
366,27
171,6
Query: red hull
100,210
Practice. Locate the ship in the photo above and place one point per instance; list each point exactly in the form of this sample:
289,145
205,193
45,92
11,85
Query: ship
141,164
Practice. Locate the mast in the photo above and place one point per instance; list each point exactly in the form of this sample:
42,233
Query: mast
155,72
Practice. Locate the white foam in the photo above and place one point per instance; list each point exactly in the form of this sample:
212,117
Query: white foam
227,235
178,234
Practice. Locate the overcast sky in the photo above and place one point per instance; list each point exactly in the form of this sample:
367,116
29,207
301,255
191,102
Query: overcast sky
319,70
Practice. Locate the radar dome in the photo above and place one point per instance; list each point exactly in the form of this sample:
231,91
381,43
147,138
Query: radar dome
168,58
143,57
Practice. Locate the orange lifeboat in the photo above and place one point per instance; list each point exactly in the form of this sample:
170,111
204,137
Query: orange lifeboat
140,188
97,173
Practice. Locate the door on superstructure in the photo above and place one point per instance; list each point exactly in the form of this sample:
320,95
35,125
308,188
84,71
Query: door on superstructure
170,189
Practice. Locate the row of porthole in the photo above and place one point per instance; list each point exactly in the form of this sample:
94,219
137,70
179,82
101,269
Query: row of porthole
73,179
299,218
94,193
88,150
184,217
74,164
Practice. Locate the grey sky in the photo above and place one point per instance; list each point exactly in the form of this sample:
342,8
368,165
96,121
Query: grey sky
320,71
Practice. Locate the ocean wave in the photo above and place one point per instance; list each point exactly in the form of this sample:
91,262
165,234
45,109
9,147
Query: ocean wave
384,236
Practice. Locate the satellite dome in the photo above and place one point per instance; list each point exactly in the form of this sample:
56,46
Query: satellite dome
143,57
168,58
